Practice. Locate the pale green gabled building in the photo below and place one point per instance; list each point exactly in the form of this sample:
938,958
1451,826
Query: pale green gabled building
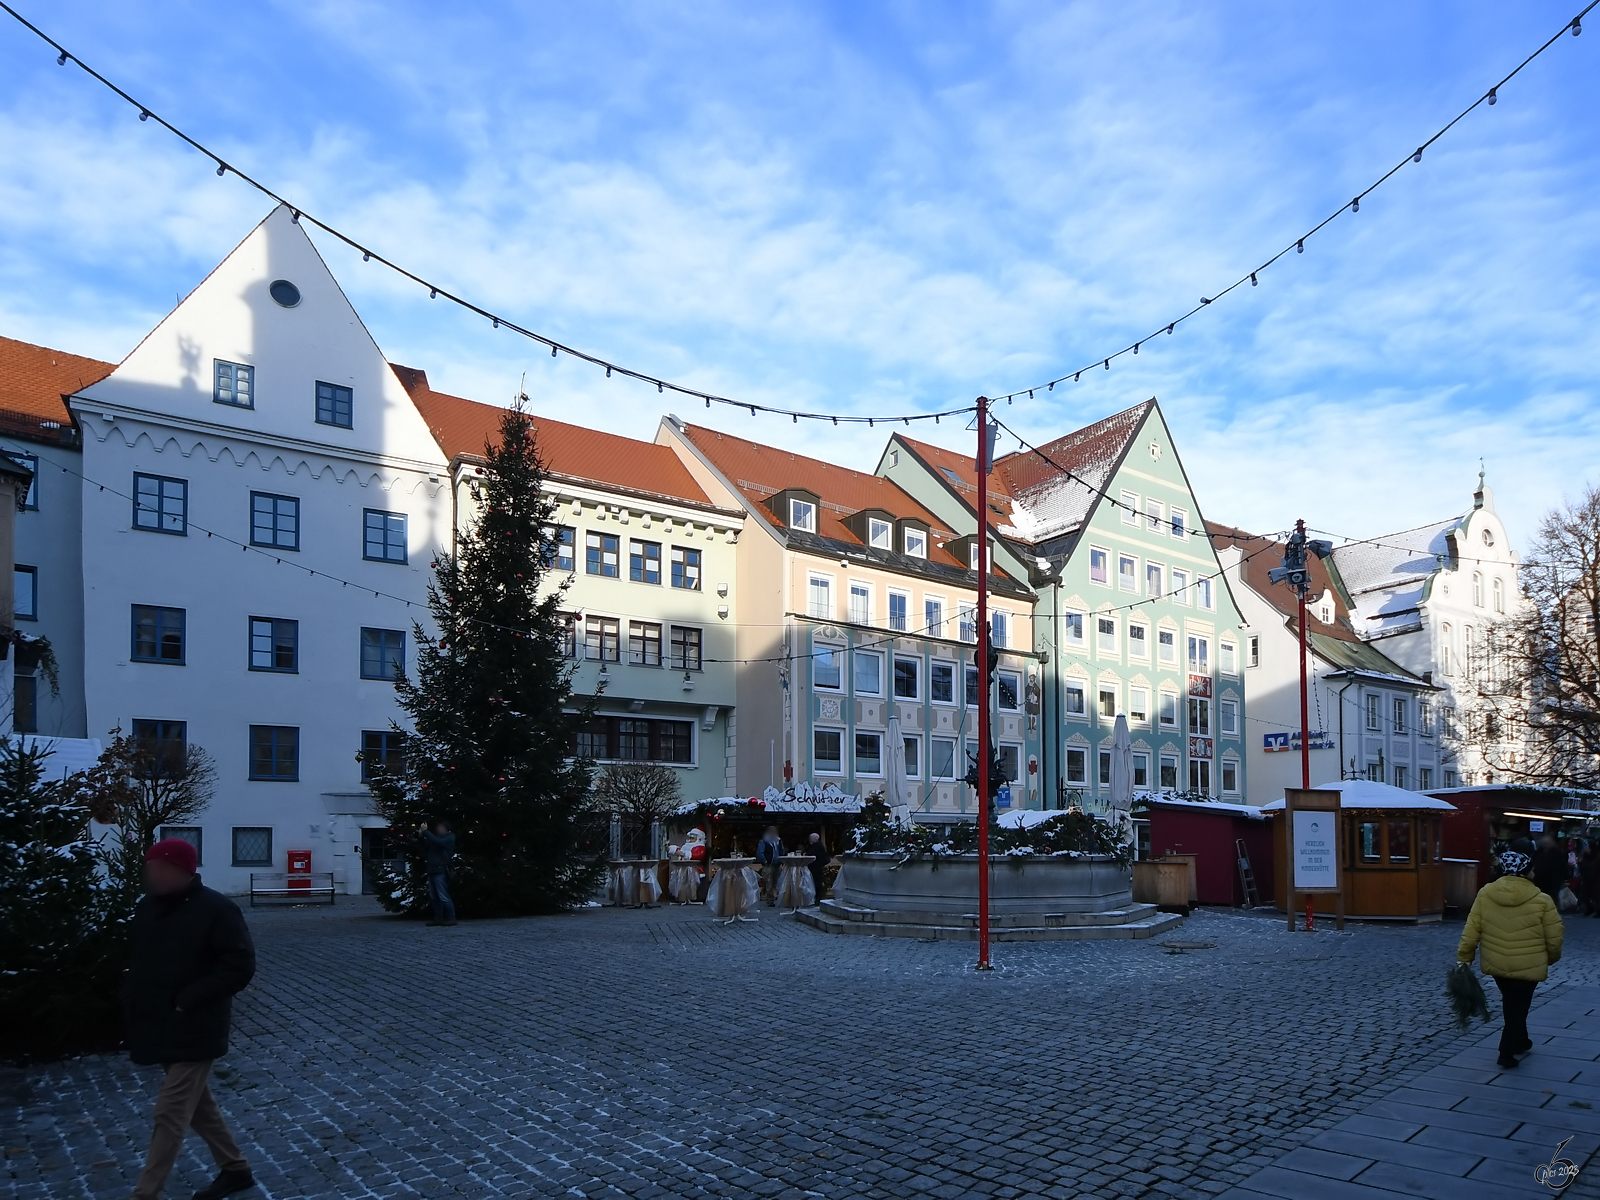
1134,614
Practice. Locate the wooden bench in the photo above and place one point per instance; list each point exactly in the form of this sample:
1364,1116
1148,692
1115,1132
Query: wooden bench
316,888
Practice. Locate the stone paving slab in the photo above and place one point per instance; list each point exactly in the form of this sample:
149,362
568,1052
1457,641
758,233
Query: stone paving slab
1465,1128
651,1053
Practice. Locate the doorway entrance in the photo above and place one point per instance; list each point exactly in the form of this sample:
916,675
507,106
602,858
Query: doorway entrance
380,852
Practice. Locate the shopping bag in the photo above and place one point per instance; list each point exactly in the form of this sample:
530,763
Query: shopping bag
1466,995
1568,901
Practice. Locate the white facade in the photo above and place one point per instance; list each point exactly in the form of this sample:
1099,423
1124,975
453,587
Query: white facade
1433,599
1369,718
211,566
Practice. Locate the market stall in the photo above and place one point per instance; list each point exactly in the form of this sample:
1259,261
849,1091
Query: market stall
1392,851
732,825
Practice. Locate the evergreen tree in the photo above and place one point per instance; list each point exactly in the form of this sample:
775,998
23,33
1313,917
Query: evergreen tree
61,917
494,719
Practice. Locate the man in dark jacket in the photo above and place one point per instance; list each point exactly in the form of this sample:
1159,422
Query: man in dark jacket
440,849
820,858
1550,869
189,953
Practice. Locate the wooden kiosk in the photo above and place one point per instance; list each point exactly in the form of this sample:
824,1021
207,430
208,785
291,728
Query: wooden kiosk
1391,846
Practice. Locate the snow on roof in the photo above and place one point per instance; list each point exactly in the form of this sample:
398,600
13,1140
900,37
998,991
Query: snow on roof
1243,810
1367,793
1386,576
802,798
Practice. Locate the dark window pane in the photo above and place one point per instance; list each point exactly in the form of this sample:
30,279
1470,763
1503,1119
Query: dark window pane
252,847
333,404
383,653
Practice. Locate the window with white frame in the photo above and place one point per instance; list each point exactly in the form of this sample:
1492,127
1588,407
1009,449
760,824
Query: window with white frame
1444,649
1230,777
1141,769
1072,630
999,629
860,603
1104,774
972,555
1139,705
1228,718
913,746
1077,765
1169,771
1106,634
1499,596
802,515
1127,572
880,534
1255,651
869,753
942,758
933,616
1008,691
1374,715
825,673
1424,778
916,544
1180,586
899,611
819,597
1200,776
1203,592
1153,581
234,384
1130,508
1107,706
1477,589
868,673
1425,717
1399,715
1072,700
967,623
1199,716
1099,565
942,682
1138,641
31,500
827,751
1154,515
1167,640
1228,657
1179,523
1399,782
1199,655
1169,710
1010,762
908,678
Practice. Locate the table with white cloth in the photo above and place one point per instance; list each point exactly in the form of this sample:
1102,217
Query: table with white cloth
631,882
734,889
795,886
683,880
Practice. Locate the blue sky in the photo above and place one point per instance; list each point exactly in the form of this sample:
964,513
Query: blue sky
882,207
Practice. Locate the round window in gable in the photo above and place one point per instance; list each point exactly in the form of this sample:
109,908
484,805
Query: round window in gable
284,292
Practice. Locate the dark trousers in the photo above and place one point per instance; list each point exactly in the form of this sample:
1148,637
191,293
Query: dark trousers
444,908
1516,997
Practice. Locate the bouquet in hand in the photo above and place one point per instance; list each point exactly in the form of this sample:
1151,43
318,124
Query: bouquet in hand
1466,995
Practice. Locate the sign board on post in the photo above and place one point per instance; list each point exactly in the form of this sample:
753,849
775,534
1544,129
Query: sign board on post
1312,842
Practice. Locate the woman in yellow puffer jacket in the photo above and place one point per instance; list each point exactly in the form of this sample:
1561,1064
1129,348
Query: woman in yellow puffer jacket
1519,930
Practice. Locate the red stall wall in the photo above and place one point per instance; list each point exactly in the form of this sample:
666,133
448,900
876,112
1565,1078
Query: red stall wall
1210,838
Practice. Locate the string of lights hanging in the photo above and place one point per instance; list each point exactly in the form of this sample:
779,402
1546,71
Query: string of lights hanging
1298,245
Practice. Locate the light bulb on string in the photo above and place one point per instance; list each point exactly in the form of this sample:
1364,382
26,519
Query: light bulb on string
1300,246
1577,26
608,372
1108,364
552,351
1169,329
143,115
1077,376
222,168
497,322
433,293
1253,282
62,61
1355,205
1492,97
1417,157
1136,347
366,256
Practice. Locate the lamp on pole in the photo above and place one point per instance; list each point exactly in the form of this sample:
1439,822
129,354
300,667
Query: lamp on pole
1296,572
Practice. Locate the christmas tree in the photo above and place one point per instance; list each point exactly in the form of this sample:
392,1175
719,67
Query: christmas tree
493,716
62,918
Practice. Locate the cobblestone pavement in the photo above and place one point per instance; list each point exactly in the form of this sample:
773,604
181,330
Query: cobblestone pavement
651,1054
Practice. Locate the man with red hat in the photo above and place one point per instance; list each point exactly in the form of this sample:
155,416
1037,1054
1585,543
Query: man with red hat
189,953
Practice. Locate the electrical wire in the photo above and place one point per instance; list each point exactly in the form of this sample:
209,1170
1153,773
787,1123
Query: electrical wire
439,291
1298,245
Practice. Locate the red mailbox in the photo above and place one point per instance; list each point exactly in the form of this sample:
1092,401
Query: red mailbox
299,868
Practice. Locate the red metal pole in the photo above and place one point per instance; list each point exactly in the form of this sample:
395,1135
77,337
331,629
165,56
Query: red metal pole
983,683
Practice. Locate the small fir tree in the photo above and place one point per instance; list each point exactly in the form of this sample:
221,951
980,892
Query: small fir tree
493,715
61,919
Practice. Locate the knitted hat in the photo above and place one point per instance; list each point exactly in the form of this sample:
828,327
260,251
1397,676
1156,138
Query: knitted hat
1512,863
176,851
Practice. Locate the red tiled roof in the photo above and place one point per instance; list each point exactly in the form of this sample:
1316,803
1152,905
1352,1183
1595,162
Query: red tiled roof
465,427
760,472
35,379
1261,554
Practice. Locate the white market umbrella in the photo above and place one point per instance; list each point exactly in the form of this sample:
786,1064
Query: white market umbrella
896,791
1121,767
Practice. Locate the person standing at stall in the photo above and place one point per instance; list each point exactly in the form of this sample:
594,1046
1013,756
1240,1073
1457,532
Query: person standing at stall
1515,930
768,851
820,858
1550,868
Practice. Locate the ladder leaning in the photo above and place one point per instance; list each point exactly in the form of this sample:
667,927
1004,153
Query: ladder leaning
1252,898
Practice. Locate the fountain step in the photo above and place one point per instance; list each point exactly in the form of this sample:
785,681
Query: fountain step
889,924
1117,916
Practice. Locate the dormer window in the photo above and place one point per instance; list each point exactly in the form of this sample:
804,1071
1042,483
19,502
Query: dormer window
916,543
802,515
972,555
880,534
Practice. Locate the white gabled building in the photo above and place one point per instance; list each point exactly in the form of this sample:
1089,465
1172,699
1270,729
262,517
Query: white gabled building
1434,599
261,503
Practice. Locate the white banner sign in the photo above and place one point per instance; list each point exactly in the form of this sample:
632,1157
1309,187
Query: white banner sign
1315,850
